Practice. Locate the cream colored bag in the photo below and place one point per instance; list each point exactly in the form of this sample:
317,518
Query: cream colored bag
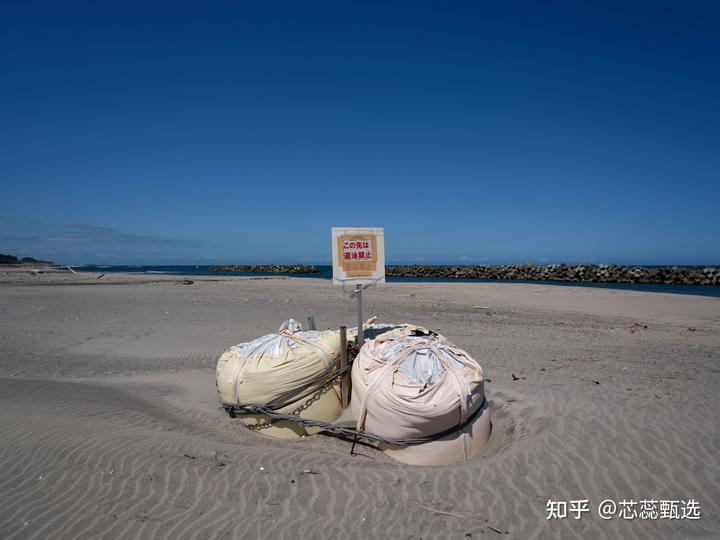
268,367
410,383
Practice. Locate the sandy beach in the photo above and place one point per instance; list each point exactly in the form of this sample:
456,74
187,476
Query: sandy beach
110,425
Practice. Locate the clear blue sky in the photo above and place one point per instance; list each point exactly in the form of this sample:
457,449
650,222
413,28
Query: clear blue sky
143,132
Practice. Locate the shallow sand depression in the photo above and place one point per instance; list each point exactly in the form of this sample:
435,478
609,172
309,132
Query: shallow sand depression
110,424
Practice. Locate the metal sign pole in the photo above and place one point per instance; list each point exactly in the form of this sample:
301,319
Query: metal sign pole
358,255
361,333
345,379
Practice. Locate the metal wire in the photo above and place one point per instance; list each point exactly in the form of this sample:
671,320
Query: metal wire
345,432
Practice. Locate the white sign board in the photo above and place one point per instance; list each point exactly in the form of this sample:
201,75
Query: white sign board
358,255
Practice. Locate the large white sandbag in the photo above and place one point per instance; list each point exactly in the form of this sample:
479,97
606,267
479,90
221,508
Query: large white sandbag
410,383
269,367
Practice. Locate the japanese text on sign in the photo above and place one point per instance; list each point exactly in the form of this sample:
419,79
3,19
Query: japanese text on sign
358,255
356,249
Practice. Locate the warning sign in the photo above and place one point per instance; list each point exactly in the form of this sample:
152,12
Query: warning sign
358,255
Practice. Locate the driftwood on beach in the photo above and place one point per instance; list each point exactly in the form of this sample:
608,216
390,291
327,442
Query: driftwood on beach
607,273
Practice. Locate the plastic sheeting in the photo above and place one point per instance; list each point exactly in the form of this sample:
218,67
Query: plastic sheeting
275,345
270,366
410,383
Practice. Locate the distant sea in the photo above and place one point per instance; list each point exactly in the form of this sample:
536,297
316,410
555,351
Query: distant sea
326,273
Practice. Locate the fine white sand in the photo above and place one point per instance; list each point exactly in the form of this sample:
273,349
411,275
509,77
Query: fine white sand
110,425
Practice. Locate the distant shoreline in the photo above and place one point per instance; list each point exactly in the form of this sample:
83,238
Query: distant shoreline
593,273
588,273
267,268
103,274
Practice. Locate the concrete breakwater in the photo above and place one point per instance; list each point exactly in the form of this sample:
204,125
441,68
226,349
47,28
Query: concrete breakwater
268,268
609,273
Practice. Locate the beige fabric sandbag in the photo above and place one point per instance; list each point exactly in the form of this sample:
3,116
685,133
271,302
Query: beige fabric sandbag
268,367
409,383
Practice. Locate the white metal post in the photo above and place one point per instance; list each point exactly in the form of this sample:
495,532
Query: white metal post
361,334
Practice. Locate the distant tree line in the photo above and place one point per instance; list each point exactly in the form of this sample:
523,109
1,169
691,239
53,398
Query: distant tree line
12,259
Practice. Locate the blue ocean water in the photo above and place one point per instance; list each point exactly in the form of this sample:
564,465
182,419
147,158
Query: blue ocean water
326,273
